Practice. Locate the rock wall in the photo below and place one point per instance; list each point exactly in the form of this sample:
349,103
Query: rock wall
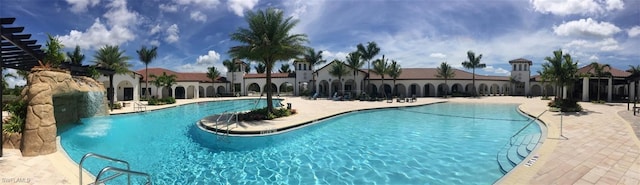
11,140
46,89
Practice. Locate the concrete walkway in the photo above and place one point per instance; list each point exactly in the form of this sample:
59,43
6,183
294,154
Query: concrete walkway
600,145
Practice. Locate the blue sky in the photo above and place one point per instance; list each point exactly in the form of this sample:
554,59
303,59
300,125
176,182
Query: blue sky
194,34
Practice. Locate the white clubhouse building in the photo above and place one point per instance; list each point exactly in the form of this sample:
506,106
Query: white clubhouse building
419,82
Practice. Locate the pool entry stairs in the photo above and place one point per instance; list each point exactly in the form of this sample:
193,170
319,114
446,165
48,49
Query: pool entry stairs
518,148
117,172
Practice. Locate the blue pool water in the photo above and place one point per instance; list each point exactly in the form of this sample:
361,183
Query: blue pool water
448,143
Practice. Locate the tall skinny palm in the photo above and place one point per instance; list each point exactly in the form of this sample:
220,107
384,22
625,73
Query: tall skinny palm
213,74
285,68
599,72
366,54
354,61
146,56
313,58
76,57
338,69
446,72
231,67
473,63
381,67
268,40
111,57
260,68
394,72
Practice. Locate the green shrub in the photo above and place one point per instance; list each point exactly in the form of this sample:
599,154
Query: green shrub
116,106
18,110
163,101
13,125
566,105
598,101
169,100
262,114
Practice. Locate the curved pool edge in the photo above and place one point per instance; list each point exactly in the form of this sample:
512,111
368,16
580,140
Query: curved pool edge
182,102
64,164
545,145
296,125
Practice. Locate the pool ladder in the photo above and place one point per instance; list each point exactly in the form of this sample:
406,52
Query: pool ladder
118,171
227,121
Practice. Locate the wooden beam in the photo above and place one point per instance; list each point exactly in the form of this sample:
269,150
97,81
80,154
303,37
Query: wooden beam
9,20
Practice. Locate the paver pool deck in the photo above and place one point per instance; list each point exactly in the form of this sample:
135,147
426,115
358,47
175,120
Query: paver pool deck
599,145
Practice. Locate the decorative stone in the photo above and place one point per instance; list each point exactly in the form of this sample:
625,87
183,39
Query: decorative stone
11,140
72,97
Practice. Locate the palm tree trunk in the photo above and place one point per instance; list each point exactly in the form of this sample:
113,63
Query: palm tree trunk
146,81
110,91
394,88
598,86
475,93
269,93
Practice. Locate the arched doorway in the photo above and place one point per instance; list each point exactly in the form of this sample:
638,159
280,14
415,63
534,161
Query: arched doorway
221,89
386,90
483,90
286,89
443,89
456,88
211,91
180,92
274,89
414,90
429,90
201,92
495,89
253,89
336,86
323,88
401,90
536,90
167,92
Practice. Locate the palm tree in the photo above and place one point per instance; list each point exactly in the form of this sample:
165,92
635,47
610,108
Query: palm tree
367,54
338,69
213,74
635,73
561,69
146,56
381,67
268,40
53,53
544,78
284,68
231,67
164,80
473,63
313,58
260,68
76,57
599,71
354,61
247,68
394,72
111,57
445,71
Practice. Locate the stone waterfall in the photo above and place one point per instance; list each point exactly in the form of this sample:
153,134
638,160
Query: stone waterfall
57,98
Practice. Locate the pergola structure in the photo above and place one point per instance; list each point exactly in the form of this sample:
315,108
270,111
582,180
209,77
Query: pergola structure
20,52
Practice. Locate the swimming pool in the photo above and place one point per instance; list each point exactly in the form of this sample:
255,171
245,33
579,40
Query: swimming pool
448,143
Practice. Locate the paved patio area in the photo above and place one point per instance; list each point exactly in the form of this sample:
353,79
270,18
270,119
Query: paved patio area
599,146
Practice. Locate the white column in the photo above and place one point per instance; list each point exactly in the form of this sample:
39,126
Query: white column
610,90
585,89
564,92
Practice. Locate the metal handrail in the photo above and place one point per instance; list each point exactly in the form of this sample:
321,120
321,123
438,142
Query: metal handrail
120,170
522,129
105,158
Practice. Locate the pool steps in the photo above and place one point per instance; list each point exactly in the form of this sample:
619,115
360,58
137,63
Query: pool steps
511,155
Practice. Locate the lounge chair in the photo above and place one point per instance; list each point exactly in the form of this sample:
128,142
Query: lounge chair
315,96
413,98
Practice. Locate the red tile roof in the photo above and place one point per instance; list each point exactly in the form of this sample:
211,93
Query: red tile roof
430,74
182,77
615,72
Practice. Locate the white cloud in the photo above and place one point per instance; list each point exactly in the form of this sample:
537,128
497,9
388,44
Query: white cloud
615,5
209,59
155,43
172,34
14,81
499,70
239,6
199,3
81,6
115,32
586,27
97,36
212,58
634,31
198,16
438,55
168,7
155,29
582,7
593,58
330,56
608,44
